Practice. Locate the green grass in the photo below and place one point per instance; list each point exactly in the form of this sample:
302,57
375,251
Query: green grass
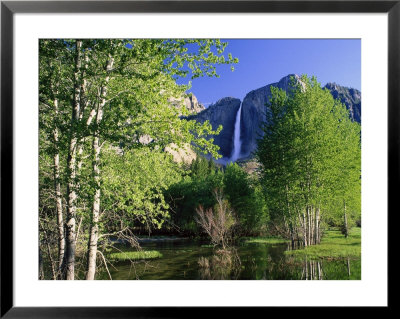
264,240
135,255
333,245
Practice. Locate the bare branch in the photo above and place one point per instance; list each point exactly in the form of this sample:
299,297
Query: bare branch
105,263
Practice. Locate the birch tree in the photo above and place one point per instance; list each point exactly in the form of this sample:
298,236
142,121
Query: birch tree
54,69
119,93
311,159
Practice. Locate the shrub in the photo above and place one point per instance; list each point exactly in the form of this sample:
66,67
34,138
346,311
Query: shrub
217,222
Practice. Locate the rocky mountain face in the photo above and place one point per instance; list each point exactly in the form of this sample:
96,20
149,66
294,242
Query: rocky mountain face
193,105
190,102
349,97
183,154
253,112
223,112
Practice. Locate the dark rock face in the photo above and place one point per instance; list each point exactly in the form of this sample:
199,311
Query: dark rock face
253,113
223,112
349,97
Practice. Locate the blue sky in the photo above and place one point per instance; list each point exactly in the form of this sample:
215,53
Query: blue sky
262,62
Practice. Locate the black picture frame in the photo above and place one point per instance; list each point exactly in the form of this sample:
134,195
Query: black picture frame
9,8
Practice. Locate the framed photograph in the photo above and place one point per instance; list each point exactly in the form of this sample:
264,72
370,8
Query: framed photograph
162,155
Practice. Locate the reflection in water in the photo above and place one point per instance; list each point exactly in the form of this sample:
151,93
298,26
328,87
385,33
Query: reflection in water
348,266
224,264
190,260
330,269
312,270
295,244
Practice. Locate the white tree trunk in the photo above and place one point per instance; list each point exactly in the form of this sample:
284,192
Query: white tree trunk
317,239
305,229
94,228
57,189
309,226
69,259
346,230
71,213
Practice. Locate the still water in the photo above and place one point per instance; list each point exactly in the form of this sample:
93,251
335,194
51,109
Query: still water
192,260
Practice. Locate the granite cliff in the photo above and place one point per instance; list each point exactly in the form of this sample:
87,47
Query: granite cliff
190,102
253,111
223,112
349,97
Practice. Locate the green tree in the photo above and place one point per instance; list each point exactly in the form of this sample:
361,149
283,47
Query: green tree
55,66
202,168
241,190
134,183
191,191
117,91
310,155
245,198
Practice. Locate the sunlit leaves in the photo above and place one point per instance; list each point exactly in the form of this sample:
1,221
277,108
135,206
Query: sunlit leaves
310,152
133,185
128,108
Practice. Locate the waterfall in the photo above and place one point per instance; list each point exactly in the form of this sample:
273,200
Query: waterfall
236,137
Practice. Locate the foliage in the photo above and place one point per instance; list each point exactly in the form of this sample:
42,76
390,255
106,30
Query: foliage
310,155
114,95
201,168
244,194
191,191
133,187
